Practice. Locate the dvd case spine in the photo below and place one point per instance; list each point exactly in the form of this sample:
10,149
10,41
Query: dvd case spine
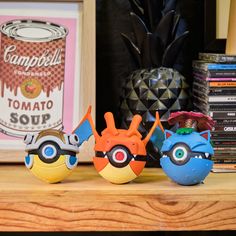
221,115
218,58
214,94
206,66
215,73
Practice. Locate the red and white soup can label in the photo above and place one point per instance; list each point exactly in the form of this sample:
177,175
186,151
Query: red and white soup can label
32,68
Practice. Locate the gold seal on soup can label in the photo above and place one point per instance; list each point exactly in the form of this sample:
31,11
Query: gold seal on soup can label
32,68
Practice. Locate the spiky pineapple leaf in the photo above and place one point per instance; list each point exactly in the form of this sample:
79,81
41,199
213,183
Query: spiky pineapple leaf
139,27
146,51
133,49
168,6
152,12
175,25
136,7
182,27
157,17
156,51
164,28
173,50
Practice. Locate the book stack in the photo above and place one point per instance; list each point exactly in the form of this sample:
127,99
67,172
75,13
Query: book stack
214,94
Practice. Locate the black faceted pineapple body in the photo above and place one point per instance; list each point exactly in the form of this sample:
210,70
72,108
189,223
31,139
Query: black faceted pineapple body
156,84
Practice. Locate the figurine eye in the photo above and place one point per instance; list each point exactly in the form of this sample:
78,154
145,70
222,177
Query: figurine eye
180,153
74,139
28,138
71,161
29,160
49,151
119,156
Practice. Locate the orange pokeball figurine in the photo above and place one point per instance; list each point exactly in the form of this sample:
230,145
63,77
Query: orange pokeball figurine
120,155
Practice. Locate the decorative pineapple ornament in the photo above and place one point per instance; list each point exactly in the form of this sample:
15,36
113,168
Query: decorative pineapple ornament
155,85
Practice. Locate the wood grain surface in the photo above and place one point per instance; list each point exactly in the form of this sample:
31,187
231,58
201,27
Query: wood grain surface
87,202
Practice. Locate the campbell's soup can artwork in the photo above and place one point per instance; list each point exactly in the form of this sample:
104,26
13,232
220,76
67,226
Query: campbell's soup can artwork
32,64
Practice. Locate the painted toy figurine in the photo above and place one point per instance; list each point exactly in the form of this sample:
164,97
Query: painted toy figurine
187,153
121,154
52,153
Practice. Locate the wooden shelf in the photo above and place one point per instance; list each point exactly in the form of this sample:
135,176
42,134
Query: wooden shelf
86,202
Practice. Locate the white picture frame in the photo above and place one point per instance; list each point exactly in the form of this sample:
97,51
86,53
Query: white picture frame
85,69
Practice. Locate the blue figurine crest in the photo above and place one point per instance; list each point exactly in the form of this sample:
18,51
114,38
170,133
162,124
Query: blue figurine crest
187,153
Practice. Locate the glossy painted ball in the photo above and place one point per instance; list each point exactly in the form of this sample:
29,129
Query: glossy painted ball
51,155
187,157
119,159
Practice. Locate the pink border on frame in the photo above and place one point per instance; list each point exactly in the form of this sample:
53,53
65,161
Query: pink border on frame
71,25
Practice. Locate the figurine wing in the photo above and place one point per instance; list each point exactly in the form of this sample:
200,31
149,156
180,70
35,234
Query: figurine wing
84,130
158,137
156,134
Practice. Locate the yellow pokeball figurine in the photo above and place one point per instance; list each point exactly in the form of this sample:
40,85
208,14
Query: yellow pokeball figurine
52,153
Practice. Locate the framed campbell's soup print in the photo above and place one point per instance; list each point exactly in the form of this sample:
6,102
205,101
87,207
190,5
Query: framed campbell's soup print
47,65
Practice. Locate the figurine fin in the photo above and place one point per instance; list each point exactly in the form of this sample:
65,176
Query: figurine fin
86,128
156,133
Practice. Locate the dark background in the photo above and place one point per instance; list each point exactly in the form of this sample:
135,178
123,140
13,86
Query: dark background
113,62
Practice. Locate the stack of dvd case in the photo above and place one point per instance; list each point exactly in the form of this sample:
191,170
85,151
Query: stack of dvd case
214,94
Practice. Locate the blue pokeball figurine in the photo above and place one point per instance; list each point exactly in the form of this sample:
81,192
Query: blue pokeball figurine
187,153
52,153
